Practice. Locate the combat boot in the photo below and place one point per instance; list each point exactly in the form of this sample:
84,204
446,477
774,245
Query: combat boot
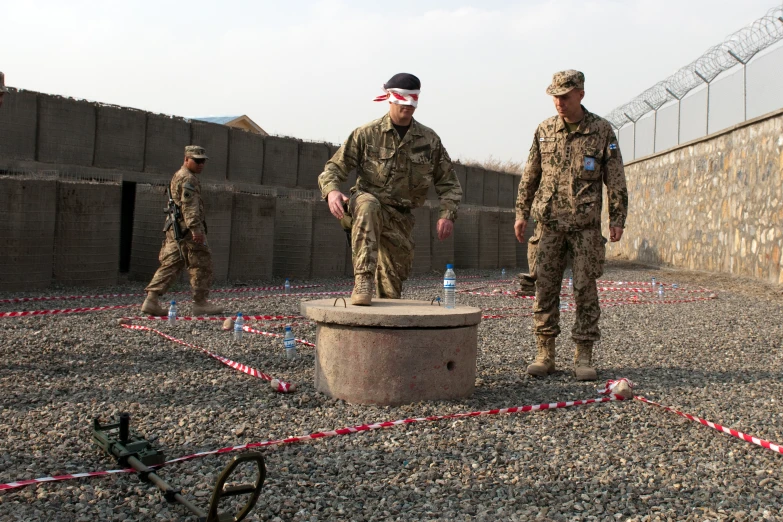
545,360
583,362
151,306
362,290
206,308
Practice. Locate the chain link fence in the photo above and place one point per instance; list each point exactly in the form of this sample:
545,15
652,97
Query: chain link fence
734,81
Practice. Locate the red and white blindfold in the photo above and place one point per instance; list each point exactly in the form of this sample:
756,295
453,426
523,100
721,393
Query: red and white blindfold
400,96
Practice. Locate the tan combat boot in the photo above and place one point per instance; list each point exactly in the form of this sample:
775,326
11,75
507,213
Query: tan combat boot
151,306
362,290
583,361
545,360
206,308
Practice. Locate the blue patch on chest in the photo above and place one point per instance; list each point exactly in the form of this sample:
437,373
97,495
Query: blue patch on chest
589,163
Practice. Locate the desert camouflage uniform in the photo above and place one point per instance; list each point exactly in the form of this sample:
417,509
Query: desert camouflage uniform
561,189
393,177
186,193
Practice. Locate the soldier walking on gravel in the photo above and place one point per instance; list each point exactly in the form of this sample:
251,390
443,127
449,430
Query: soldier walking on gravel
192,251
397,159
573,155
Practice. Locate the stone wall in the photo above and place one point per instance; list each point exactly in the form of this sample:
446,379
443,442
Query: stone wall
713,204
82,145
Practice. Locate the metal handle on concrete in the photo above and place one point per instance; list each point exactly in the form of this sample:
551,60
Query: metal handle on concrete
337,299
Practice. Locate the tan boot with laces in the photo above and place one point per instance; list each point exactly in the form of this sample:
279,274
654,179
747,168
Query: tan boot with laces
583,362
151,306
362,290
206,308
545,359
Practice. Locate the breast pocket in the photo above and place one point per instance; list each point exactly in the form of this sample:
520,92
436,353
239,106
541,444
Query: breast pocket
422,170
591,164
378,164
547,147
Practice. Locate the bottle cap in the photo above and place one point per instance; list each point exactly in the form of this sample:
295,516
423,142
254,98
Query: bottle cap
173,302
448,266
287,327
239,314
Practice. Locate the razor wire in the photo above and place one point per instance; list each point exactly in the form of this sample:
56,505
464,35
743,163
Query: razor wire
737,48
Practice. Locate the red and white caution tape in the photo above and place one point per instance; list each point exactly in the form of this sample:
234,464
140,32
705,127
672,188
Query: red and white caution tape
110,296
320,435
30,313
215,318
270,334
281,386
728,431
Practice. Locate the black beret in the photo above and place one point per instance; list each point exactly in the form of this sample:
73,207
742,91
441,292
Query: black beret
403,81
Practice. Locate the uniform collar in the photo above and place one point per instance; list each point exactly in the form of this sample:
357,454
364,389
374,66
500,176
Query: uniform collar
584,125
387,125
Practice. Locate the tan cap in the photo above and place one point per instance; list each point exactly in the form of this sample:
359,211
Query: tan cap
565,81
3,88
195,152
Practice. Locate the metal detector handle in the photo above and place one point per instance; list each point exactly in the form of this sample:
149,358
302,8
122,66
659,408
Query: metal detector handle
254,490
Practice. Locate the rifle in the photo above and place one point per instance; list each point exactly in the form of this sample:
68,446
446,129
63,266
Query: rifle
172,221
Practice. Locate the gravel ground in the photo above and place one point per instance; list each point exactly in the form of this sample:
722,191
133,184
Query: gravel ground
719,359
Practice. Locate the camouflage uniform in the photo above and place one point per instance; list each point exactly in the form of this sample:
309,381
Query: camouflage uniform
186,193
561,189
393,177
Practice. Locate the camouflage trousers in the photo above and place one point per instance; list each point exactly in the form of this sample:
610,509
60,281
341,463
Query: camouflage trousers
381,243
199,266
551,249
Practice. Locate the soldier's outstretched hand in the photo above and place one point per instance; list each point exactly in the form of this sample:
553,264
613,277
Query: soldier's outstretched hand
336,200
615,233
445,228
519,229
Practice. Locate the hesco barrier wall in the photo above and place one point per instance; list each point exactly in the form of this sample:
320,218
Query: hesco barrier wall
466,238
87,233
27,222
312,158
713,204
489,221
218,203
148,222
329,243
95,141
165,145
281,160
421,236
246,157
119,138
252,237
293,238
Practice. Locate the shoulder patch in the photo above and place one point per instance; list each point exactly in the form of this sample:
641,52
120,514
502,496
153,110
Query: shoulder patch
188,186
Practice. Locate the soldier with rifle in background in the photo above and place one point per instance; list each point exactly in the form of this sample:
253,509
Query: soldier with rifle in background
185,244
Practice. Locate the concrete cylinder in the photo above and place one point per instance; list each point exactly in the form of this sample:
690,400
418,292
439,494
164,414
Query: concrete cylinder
395,351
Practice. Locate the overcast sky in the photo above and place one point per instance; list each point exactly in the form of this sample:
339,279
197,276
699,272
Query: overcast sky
311,69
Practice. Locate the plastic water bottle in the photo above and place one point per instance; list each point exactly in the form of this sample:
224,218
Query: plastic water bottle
503,273
450,287
239,322
570,284
287,286
660,291
654,286
563,306
173,313
290,343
